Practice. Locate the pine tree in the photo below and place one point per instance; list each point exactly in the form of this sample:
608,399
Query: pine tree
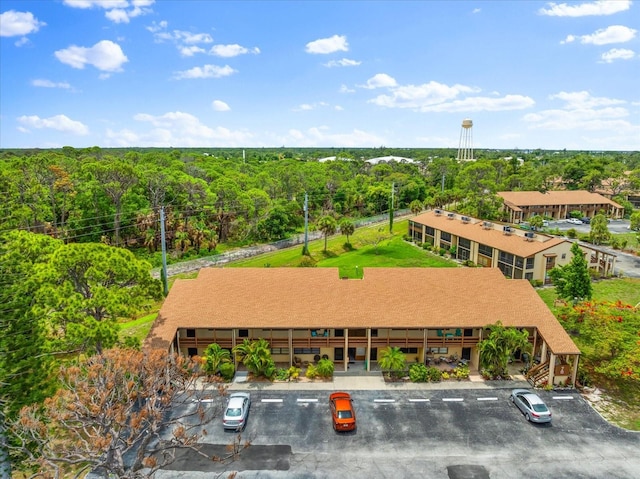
573,281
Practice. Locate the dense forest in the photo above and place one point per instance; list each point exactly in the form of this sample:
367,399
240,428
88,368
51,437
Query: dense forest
216,196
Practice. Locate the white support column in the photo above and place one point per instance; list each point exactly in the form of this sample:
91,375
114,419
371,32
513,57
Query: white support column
552,367
574,372
345,357
368,355
290,347
424,345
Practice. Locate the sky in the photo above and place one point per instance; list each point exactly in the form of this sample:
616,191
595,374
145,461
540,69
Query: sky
247,74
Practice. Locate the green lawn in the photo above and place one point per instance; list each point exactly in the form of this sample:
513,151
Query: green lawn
138,328
626,290
370,247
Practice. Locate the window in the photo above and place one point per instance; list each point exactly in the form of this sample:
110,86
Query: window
530,263
528,276
409,350
430,231
443,350
306,350
519,262
191,333
279,350
505,257
358,333
243,333
374,333
564,255
464,243
485,250
192,351
339,333
445,237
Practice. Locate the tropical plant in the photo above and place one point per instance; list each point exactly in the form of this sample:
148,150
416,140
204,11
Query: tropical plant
347,227
256,356
416,206
434,374
325,368
499,347
418,373
328,225
214,357
599,230
227,371
311,372
391,359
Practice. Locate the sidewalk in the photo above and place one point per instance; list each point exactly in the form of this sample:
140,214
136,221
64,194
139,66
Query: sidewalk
373,382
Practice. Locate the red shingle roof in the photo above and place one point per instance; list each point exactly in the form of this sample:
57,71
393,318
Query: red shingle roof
387,297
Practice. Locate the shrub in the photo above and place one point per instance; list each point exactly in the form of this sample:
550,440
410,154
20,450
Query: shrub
307,262
445,376
325,368
227,370
434,374
461,372
293,373
282,374
572,233
536,283
426,246
406,237
418,373
442,251
312,372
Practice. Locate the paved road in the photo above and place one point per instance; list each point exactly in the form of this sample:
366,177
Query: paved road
436,433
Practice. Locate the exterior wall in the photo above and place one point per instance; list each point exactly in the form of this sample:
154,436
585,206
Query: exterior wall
559,212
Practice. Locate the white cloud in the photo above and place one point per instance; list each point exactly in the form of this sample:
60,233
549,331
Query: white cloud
311,106
181,37
219,105
190,50
476,10
605,36
105,55
58,122
14,23
583,99
617,54
49,84
118,11
207,71
346,89
227,51
156,27
380,80
177,129
581,111
336,43
321,136
345,62
599,7
479,103
418,96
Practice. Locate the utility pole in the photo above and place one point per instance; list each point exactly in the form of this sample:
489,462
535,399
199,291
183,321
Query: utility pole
393,187
165,279
305,248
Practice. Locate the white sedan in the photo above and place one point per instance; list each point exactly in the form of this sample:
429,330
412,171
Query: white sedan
574,221
235,416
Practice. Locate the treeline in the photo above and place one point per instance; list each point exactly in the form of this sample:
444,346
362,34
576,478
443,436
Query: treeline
213,196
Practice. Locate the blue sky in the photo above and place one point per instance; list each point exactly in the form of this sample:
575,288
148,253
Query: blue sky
142,73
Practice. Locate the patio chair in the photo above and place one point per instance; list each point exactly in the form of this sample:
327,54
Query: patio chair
440,334
314,333
297,362
458,332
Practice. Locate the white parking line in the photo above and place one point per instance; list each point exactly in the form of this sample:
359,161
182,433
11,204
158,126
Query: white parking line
562,397
306,400
453,399
205,400
419,400
271,400
384,400
487,399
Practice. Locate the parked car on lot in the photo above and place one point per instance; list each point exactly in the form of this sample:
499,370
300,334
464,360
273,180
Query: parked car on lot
343,416
586,220
574,221
533,408
235,416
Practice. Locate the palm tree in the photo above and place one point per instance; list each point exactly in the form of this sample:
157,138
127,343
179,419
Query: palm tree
326,224
391,359
347,228
499,346
214,356
256,356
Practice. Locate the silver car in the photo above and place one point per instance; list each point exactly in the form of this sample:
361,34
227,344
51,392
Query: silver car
533,408
235,416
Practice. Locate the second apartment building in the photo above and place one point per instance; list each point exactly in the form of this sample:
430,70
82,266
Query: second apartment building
518,254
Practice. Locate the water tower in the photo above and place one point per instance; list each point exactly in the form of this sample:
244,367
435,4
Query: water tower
465,148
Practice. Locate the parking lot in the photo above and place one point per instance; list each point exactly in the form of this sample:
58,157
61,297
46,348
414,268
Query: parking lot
436,434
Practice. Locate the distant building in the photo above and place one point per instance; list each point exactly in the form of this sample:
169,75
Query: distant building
522,205
389,159
518,254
